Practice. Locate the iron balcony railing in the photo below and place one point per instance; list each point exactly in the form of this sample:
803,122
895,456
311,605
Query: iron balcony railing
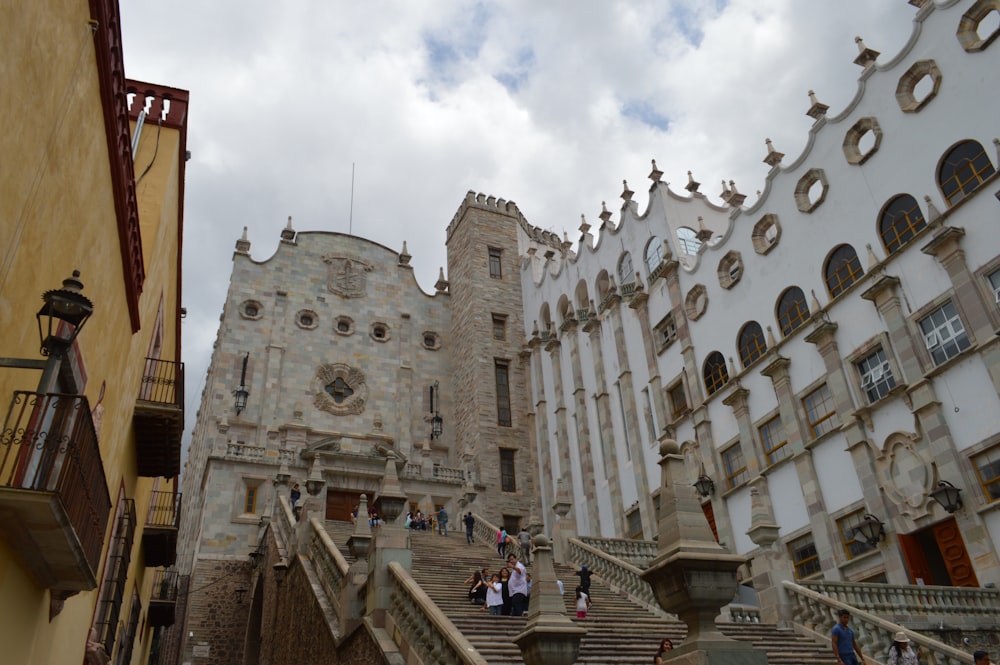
164,509
48,444
163,382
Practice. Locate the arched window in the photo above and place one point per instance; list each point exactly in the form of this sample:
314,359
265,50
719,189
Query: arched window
842,269
688,240
654,255
962,170
901,220
715,372
626,273
792,310
751,343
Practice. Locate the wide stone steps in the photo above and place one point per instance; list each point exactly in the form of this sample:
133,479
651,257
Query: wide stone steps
619,632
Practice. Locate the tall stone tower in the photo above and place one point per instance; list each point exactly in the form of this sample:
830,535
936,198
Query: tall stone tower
492,398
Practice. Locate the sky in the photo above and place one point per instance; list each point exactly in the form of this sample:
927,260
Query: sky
550,104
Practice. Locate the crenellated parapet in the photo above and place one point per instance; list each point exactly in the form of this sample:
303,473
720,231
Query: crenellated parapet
504,207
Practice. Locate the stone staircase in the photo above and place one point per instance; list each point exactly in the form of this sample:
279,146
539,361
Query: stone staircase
619,632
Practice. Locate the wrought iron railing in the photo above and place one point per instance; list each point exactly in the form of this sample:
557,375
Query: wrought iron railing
165,586
48,444
115,576
164,509
162,382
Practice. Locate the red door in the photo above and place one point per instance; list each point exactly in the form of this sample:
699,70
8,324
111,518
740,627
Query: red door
956,557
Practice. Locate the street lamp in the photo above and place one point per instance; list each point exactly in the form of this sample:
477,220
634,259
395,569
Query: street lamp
67,305
242,393
947,495
871,530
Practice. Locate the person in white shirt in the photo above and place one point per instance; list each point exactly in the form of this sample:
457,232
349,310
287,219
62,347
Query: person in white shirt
518,586
582,603
494,595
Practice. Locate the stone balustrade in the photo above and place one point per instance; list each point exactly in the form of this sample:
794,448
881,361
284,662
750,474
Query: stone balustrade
486,533
636,552
817,612
617,574
742,613
330,565
244,451
441,474
424,628
919,606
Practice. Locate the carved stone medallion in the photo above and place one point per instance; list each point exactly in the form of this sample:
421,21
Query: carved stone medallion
339,389
347,277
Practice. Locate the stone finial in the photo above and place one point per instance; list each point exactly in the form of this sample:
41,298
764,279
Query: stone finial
584,226
534,329
773,156
872,259
996,144
763,526
441,285
656,173
361,538
404,256
725,192
735,198
243,245
814,305
732,367
626,192
592,312
816,110
932,211
605,213
692,185
288,233
704,234
639,286
771,342
866,56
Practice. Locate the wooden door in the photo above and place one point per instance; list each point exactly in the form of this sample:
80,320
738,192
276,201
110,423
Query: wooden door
956,557
340,504
916,562
710,516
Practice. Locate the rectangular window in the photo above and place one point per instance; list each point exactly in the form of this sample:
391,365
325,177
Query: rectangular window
772,437
666,332
678,399
846,526
499,327
635,524
994,278
820,411
115,576
250,500
803,553
495,269
734,465
507,480
501,372
876,376
944,333
987,465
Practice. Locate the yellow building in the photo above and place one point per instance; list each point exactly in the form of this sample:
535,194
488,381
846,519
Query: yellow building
91,180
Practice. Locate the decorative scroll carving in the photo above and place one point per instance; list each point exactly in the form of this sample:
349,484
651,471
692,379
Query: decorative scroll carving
347,277
339,389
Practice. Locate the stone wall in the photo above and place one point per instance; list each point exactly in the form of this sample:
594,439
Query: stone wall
215,614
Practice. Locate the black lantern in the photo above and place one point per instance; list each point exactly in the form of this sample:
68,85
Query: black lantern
242,393
437,424
240,594
280,569
67,305
255,558
947,495
704,484
871,531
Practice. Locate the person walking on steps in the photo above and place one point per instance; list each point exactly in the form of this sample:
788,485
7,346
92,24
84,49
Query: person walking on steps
442,522
844,643
470,523
584,575
502,543
524,540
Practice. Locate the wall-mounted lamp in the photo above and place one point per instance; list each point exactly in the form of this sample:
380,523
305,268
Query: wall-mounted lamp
704,484
240,594
947,495
256,557
871,531
437,422
280,569
68,305
242,393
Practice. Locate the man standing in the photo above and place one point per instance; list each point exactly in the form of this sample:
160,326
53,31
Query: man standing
518,586
443,521
981,658
844,643
470,522
524,540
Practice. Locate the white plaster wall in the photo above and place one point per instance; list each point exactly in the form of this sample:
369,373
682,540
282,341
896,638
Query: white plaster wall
786,498
967,387
738,504
838,481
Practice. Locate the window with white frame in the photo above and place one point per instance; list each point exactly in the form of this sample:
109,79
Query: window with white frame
876,376
944,333
994,279
666,331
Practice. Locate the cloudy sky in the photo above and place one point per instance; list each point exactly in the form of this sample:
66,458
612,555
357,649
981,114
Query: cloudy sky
546,103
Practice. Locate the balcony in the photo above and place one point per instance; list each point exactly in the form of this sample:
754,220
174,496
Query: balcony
159,536
163,602
54,500
159,419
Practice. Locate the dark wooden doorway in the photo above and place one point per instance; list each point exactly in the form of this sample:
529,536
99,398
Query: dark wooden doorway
937,555
340,504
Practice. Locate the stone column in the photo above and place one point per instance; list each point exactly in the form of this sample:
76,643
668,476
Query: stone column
771,566
640,305
554,347
392,542
546,488
565,527
582,421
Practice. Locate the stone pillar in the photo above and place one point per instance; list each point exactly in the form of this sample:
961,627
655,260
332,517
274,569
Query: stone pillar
565,527
359,544
640,304
546,488
392,543
692,575
582,422
550,637
771,566
554,347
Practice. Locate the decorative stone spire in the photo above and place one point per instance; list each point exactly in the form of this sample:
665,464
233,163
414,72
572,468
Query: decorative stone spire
817,110
725,192
404,256
704,234
656,173
605,214
626,192
773,156
996,144
441,284
288,233
771,342
735,198
732,367
584,226
534,329
866,56
243,245
814,305
872,259
692,185
763,527
361,539
932,211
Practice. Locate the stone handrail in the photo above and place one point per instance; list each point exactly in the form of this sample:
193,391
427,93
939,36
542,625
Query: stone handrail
919,606
817,613
244,451
739,613
283,523
442,474
330,565
425,628
486,533
636,552
617,574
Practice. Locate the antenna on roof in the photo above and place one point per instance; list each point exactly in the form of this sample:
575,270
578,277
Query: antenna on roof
350,216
